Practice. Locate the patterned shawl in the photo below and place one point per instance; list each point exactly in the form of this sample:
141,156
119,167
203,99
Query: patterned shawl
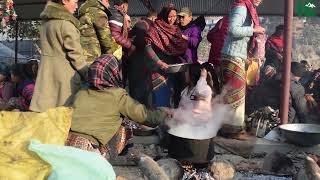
276,43
166,37
105,72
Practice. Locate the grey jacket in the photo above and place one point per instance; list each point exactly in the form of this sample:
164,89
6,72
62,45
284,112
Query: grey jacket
298,110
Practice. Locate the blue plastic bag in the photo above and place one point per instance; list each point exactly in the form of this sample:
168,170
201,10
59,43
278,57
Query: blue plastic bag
70,163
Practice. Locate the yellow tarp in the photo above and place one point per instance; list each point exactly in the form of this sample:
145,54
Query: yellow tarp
16,131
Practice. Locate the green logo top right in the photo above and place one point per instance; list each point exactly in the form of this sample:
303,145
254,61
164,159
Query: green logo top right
308,8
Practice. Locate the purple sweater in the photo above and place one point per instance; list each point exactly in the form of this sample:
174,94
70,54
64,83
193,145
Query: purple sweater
193,32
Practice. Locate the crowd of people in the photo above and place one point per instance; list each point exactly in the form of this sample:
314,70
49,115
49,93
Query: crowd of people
87,63
17,85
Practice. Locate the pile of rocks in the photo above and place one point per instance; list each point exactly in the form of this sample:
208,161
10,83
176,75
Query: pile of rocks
242,161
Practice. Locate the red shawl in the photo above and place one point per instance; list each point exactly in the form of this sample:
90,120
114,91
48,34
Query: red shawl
255,18
166,37
276,43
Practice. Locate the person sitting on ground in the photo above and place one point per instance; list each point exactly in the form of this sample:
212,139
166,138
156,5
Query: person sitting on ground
32,68
308,75
6,86
25,89
313,85
274,53
99,110
298,109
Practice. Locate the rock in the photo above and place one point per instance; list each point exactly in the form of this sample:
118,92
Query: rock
312,169
222,170
276,162
172,168
149,167
241,164
128,172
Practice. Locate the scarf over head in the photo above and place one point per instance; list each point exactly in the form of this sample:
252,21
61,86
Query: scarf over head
105,72
276,43
166,37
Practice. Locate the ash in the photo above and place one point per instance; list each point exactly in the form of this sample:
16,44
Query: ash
197,174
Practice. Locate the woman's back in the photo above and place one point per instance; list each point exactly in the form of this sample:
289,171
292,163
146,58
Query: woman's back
97,112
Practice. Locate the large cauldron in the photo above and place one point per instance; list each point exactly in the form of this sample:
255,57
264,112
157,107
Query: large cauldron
191,150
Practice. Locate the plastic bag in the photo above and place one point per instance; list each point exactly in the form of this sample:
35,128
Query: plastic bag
70,163
16,131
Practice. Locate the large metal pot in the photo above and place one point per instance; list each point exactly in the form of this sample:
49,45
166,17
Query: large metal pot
191,150
301,134
193,131
191,142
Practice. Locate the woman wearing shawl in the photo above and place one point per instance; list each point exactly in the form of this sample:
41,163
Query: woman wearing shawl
274,52
165,45
99,110
238,47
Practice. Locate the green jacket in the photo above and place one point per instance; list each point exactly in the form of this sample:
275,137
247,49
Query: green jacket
96,38
98,114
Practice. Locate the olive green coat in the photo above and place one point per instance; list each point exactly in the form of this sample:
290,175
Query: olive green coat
61,58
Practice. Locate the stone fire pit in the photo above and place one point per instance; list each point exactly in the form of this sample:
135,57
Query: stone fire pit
244,160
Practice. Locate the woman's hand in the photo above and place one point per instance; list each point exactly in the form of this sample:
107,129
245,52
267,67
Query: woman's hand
168,111
185,37
162,65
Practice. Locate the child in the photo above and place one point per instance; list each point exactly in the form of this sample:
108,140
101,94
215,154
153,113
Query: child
197,96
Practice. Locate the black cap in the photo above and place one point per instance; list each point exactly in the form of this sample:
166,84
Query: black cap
298,69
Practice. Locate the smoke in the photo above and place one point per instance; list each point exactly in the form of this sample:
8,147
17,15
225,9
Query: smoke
185,123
